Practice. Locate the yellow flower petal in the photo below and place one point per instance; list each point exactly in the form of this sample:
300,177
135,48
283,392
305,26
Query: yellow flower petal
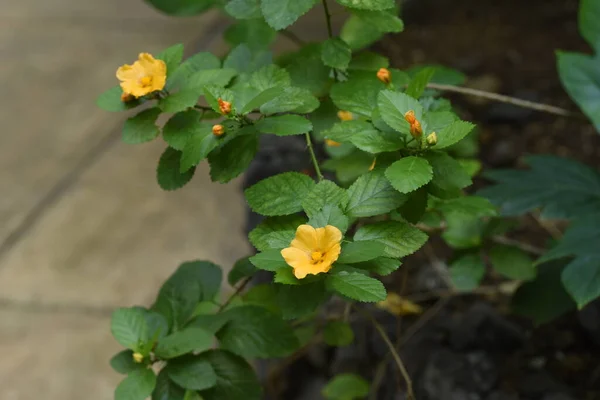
296,258
306,239
328,237
126,72
332,254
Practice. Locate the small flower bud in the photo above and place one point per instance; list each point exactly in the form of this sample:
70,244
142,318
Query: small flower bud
410,117
224,106
126,97
138,357
372,167
432,139
384,75
415,130
332,143
218,130
345,115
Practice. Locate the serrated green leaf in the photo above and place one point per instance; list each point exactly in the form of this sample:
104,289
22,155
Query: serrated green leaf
435,121
419,82
364,136
467,272
292,99
512,262
172,58
286,276
284,125
138,385
282,13
166,389
254,33
259,236
111,100
394,105
381,265
384,21
279,240
350,166
368,4
242,269
236,379
338,333
297,301
180,101
214,77
442,74
192,372
182,342
371,195
400,238
198,146
448,174
368,61
168,172
330,215
324,192
453,133
142,127
279,195
244,60
262,98
346,387
263,295
182,7
415,207
589,22
197,62
233,158
310,74
358,94
253,331
360,251
270,76
123,362
359,34
269,260
463,231
180,127
581,278
336,53
468,206
357,286
129,327
409,174
243,9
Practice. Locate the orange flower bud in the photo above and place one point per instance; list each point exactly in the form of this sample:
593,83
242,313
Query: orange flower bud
218,130
126,97
415,130
384,75
345,115
332,143
224,106
410,117
432,139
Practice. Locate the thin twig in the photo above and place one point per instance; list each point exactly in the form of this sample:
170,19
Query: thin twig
548,226
506,99
523,246
313,157
293,37
239,289
425,318
328,18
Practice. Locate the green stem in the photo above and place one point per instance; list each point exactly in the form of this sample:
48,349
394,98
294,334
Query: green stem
328,18
239,289
313,157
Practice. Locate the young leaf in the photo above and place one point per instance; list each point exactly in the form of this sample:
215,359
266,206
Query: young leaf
168,172
172,58
142,127
368,4
512,262
453,133
270,76
292,99
359,33
350,166
364,136
197,147
279,195
346,387
400,238
242,269
284,125
253,331
180,101
356,252
236,379
192,372
409,174
338,333
419,82
448,174
243,9
467,272
233,158
324,192
330,215
254,33
244,60
371,195
123,362
336,53
129,327
282,13
286,276
138,385
358,94
394,105
181,127
182,342
368,61
262,98
357,286
197,62
468,206
111,100
297,301
269,260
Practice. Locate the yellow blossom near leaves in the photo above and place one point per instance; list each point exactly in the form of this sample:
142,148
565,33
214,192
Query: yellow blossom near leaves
138,357
332,143
313,250
345,115
126,97
432,139
399,306
146,75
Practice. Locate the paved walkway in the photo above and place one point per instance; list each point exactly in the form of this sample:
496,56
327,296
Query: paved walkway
83,225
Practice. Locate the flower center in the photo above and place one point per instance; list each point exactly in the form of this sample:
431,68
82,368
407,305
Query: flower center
316,256
146,81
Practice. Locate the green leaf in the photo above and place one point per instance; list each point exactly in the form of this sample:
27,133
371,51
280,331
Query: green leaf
292,99
336,53
384,21
580,75
359,33
111,100
284,125
259,235
323,193
544,298
448,174
168,172
368,4
280,194
123,362
197,62
253,331
192,372
269,260
463,231
236,379
138,385
419,82
330,215
242,269
409,174
263,295
467,272
581,278
442,74
270,76
297,301
262,98
182,7
512,262
182,342
355,252
393,106
254,33
346,387
400,238
279,240
350,166
415,207
453,133
180,101
357,286
372,195
579,239
197,147
381,265
469,206
435,121
181,127
243,9
244,60
338,333
310,74
368,61
358,94
172,58
589,22
166,389
142,127
129,327
286,276
282,13
364,136
214,77
233,158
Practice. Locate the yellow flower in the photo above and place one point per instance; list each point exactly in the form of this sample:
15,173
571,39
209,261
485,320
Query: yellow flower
399,306
332,143
313,251
146,75
345,115
138,357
